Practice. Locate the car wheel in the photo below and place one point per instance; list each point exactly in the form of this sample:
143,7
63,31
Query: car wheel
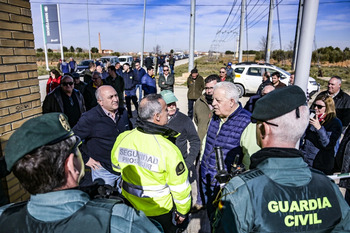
240,89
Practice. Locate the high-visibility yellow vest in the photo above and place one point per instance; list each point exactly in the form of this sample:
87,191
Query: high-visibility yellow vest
153,171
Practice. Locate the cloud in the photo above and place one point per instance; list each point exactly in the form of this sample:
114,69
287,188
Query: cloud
168,24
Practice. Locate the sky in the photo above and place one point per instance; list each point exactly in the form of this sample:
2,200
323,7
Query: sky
120,23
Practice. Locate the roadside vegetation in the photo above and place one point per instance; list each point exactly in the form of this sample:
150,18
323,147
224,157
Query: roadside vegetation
207,66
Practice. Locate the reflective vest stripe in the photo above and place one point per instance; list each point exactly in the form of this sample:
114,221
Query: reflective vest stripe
182,201
179,188
146,191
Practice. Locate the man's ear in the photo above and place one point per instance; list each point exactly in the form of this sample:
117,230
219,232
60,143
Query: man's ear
265,130
157,115
70,170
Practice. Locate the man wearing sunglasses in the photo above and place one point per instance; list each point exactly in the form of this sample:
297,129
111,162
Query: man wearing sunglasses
65,99
43,154
166,80
281,193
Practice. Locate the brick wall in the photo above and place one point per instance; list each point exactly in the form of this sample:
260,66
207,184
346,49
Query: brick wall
19,85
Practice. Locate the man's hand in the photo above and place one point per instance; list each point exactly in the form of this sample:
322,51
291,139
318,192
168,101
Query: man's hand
179,219
93,164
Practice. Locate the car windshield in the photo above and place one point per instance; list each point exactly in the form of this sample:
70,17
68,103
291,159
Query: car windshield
84,63
122,59
282,70
105,60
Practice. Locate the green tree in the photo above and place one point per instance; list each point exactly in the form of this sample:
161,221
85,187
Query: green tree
229,52
71,49
65,49
40,50
94,50
49,50
79,50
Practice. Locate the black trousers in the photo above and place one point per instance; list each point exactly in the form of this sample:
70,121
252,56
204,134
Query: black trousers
166,221
128,100
190,108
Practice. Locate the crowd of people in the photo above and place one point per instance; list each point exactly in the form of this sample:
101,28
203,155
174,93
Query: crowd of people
88,137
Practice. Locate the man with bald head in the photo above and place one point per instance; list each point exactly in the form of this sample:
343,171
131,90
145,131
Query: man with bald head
99,128
341,100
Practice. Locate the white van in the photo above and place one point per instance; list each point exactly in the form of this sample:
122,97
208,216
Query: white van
125,59
111,59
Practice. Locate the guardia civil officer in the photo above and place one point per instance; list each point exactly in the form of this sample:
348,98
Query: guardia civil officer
43,154
281,193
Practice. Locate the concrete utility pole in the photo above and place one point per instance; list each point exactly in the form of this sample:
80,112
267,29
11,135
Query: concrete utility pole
60,30
192,35
143,32
269,31
307,33
297,34
88,21
241,31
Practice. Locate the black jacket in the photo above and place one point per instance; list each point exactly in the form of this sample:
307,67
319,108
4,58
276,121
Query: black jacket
183,124
53,102
99,132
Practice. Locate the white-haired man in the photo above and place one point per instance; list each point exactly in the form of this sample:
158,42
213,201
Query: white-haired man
225,129
281,193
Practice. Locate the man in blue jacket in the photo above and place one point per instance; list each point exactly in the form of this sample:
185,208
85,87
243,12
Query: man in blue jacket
99,128
148,82
225,130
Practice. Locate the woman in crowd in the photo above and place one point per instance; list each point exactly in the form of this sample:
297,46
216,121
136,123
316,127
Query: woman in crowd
54,81
320,139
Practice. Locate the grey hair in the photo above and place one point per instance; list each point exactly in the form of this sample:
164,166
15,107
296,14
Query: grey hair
97,73
231,90
66,76
149,106
290,128
337,78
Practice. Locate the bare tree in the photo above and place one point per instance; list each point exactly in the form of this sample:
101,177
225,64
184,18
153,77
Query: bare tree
290,46
262,43
157,49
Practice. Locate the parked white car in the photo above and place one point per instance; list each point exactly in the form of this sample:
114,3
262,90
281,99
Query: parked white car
125,59
111,59
249,77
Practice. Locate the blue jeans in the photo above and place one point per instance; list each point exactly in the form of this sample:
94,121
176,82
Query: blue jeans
160,69
108,177
172,68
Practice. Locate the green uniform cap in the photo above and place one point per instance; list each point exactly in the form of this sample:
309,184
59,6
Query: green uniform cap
46,129
279,102
168,96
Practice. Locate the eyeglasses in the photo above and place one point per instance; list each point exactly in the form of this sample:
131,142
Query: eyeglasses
318,106
222,71
166,70
67,83
209,88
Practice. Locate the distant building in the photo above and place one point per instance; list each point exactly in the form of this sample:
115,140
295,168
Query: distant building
107,51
